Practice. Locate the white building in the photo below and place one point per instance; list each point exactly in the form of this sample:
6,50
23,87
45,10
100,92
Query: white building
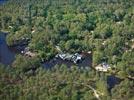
28,53
104,67
70,57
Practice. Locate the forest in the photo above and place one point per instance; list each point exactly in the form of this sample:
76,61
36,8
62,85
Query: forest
103,27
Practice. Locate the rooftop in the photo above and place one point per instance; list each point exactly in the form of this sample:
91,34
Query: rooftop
103,67
71,57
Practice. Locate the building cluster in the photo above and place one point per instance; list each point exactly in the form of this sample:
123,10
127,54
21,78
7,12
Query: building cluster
75,58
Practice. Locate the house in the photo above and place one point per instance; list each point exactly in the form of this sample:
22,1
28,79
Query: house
10,27
89,52
58,48
70,57
92,32
132,46
119,23
62,56
28,53
76,58
104,67
33,31
104,42
132,40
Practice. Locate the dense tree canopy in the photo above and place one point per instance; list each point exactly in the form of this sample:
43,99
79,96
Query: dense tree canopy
104,27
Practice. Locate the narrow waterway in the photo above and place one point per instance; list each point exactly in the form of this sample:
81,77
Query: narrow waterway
6,55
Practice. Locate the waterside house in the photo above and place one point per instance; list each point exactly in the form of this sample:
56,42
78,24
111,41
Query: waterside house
21,42
76,58
28,53
104,67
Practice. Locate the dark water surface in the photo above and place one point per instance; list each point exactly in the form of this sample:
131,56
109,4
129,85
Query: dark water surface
6,55
2,1
112,81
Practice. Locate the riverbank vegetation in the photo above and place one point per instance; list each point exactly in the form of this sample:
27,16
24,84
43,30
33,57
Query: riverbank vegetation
104,27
